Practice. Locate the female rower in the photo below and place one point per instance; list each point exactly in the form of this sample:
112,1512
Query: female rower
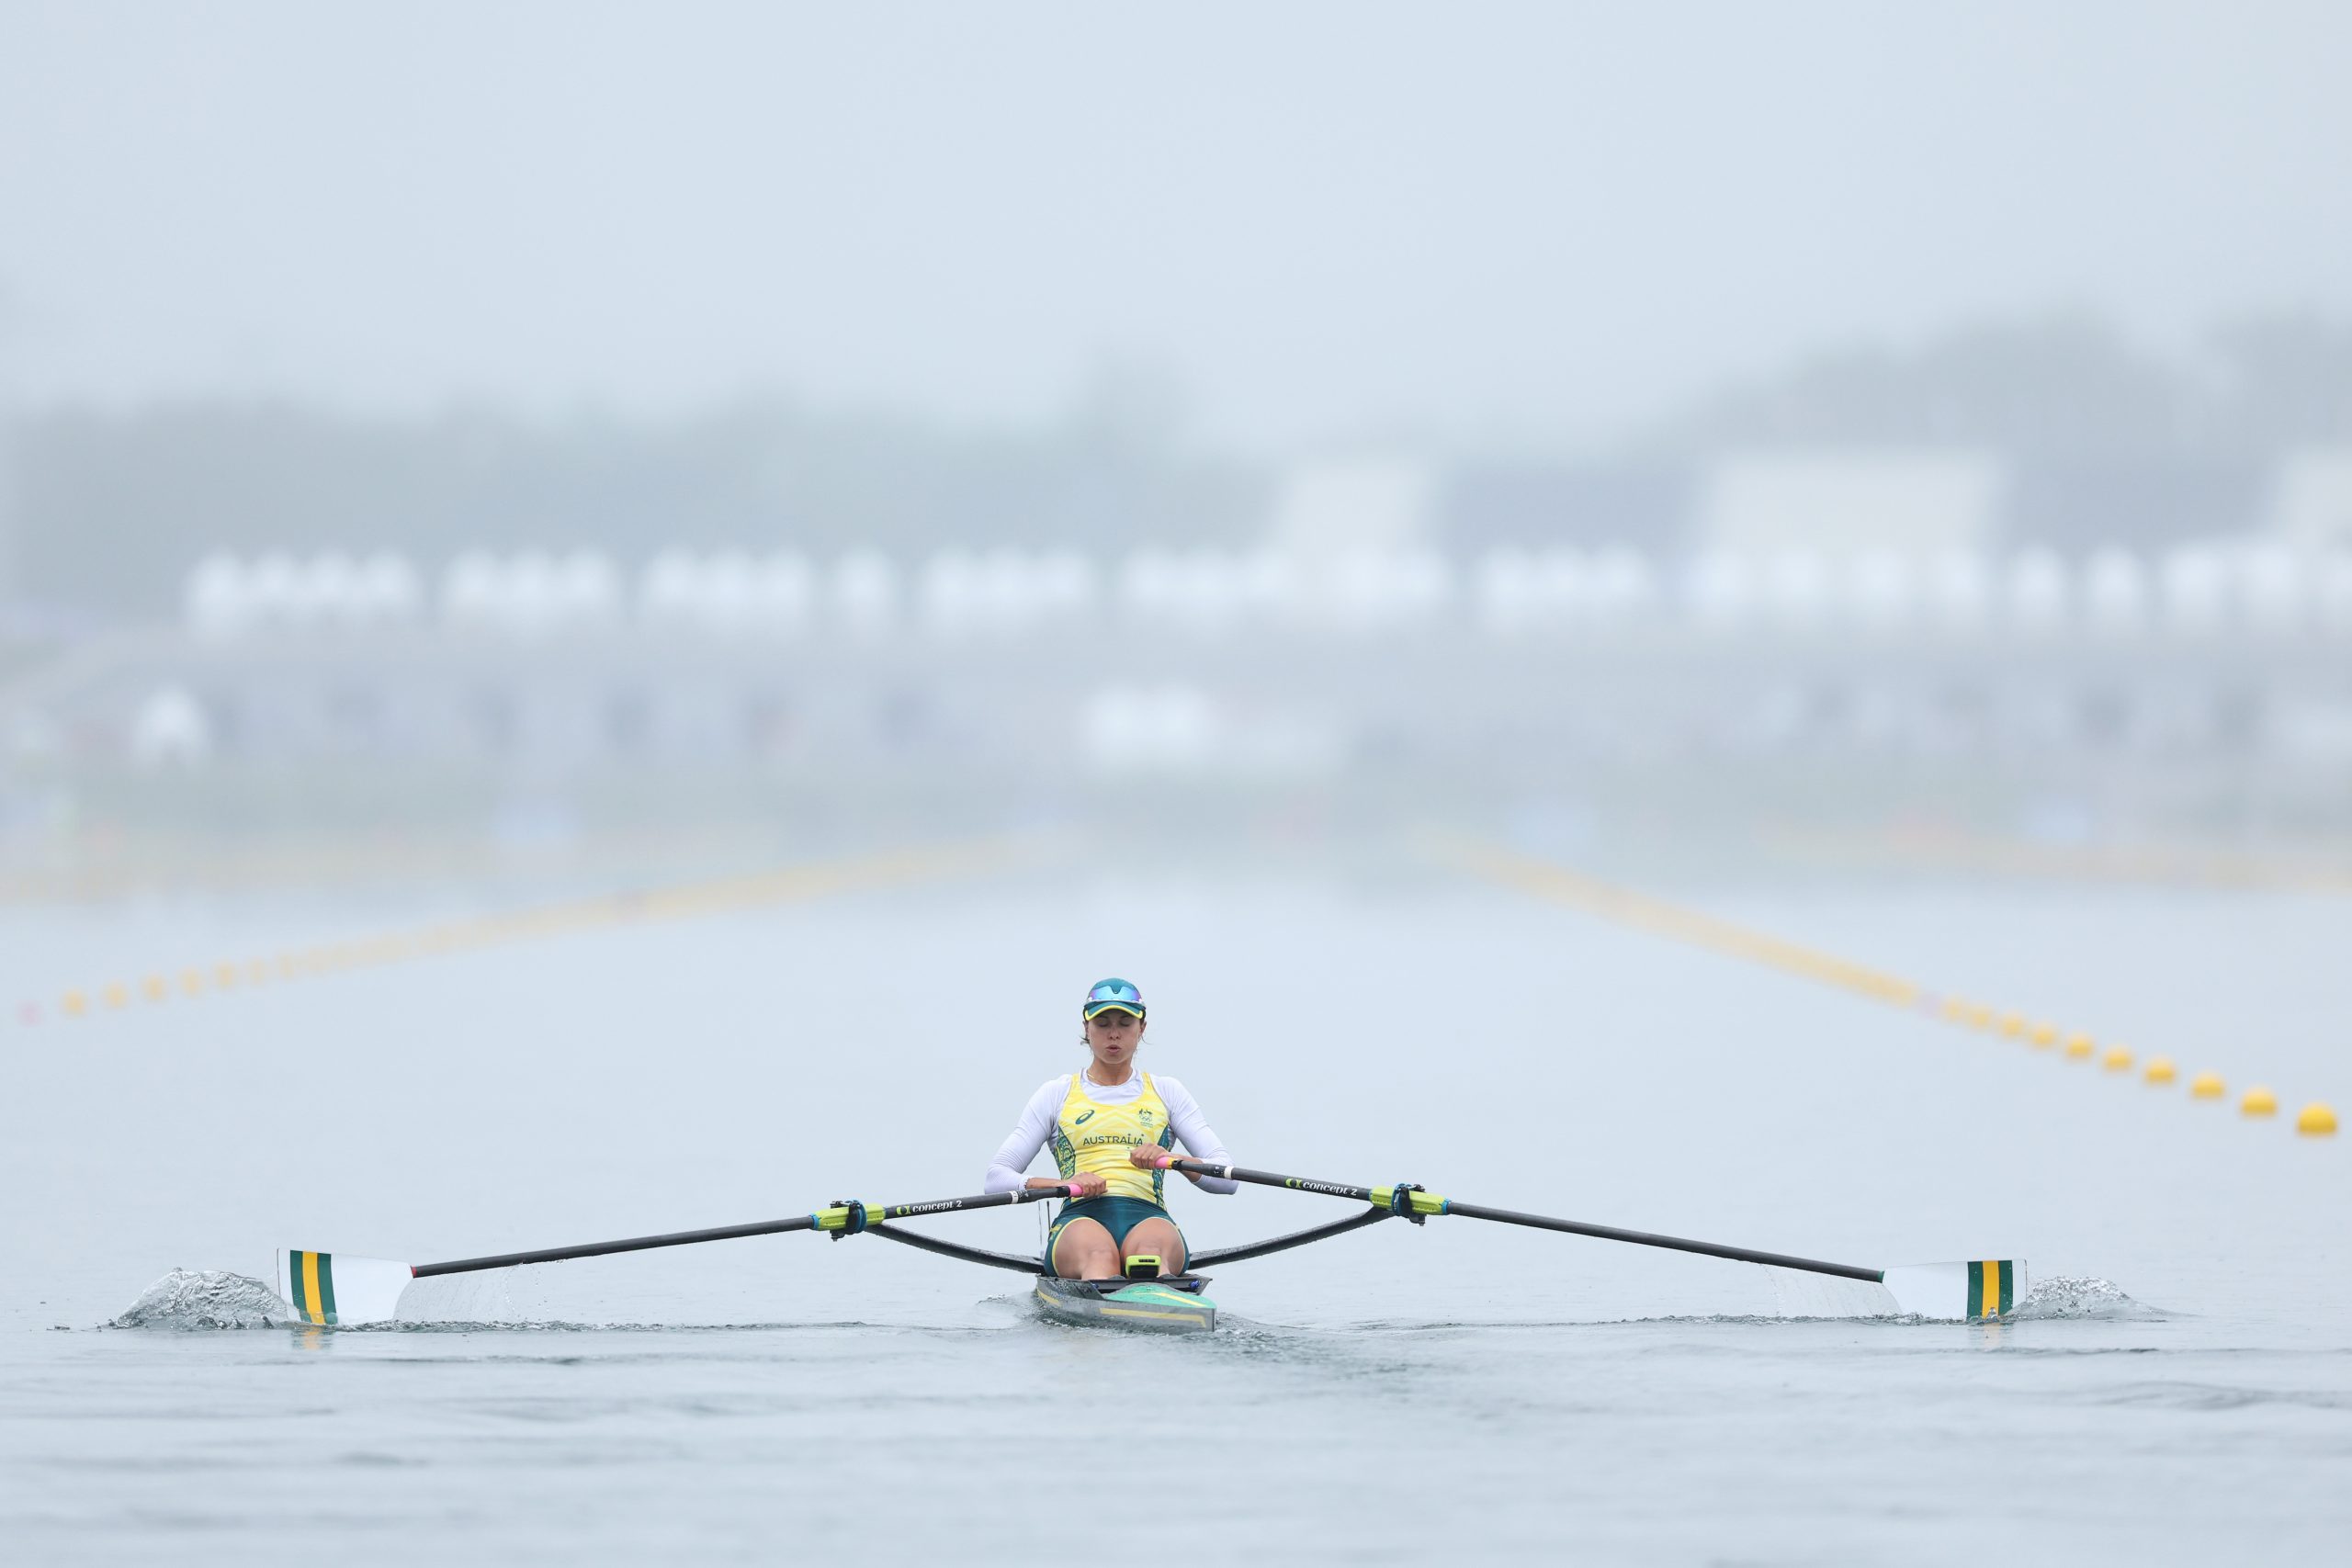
1112,1127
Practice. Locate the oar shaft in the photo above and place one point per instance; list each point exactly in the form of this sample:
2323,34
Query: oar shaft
1268,1179
1430,1203
632,1244
1674,1243
832,1218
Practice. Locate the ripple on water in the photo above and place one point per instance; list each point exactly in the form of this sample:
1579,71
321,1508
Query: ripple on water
187,1299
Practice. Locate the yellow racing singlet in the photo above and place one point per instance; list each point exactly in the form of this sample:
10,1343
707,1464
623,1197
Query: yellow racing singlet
1089,1136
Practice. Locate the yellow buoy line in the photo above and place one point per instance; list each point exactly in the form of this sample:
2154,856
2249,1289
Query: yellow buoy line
1640,911
720,896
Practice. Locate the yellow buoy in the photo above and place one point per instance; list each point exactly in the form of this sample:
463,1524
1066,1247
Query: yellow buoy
2160,1070
2118,1060
2208,1086
74,1005
2258,1102
118,994
224,975
191,981
2012,1025
1955,1010
2079,1046
154,988
2316,1121
2045,1036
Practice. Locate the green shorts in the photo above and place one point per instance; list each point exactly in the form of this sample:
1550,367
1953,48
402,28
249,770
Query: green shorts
1117,1215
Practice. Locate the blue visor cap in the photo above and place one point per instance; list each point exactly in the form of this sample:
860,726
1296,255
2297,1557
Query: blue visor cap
1113,996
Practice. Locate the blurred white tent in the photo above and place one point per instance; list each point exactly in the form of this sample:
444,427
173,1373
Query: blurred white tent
948,594
2195,582
1620,587
1508,593
1796,584
531,594
226,597
1378,590
169,727
1956,590
783,593
1719,591
731,593
865,594
669,590
1209,591
2037,592
2115,592
387,590
1351,536
1879,588
728,583
2271,588
217,600
1558,590
1001,592
1131,728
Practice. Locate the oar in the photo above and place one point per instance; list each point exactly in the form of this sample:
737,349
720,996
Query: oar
337,1288
1970,1290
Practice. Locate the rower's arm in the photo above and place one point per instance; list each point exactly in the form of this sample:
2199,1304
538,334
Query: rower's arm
1200,1140
1028,1136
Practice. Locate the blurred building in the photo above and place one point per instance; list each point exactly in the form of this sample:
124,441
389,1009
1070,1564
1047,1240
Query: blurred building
1994,591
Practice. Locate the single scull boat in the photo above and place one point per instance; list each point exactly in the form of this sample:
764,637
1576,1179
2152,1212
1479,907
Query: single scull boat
341,1289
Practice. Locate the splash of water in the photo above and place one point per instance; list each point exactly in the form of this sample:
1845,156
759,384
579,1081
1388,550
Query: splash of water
2065,1296
189,1299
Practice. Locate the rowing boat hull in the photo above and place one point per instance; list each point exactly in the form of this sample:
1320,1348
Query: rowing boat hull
1172,1304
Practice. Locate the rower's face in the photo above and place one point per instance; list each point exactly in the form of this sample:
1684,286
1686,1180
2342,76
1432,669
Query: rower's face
1113,1036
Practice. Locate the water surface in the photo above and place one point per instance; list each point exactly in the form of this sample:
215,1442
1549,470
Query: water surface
1400,1395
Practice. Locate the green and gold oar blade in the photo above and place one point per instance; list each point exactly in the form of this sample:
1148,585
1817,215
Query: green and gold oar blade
1972,1292
339,1290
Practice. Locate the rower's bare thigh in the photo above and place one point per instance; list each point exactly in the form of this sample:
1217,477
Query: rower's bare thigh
1083,1251
1159,1236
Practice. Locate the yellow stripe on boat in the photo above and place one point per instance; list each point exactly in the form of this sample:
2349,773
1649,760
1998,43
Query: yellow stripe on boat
314,1309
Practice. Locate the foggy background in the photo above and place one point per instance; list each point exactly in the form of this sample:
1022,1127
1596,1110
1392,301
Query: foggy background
1827,435
1734,621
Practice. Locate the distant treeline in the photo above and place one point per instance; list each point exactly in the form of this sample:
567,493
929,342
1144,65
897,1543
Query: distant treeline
106,513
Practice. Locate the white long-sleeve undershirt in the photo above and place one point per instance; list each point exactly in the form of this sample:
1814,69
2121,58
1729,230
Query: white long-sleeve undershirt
1009,1170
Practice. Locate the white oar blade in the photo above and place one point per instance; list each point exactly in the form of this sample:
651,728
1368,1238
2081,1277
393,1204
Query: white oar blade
1958,1292
336,1288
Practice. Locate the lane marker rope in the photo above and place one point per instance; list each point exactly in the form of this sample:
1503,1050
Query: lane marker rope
686,901
1640,911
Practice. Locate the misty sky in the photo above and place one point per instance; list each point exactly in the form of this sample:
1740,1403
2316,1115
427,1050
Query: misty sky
1534,221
